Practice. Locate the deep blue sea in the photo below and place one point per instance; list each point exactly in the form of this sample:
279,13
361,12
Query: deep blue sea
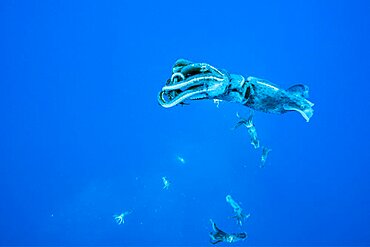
83,138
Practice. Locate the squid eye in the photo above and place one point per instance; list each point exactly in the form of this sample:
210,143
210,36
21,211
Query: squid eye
177,77
247,93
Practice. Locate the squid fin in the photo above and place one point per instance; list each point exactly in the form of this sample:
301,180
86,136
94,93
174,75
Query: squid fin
306,113
299,89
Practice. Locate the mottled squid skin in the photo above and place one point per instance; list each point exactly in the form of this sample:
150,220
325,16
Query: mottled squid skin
268,98
195,81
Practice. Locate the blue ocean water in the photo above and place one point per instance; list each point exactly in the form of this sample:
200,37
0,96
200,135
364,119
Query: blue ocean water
82,136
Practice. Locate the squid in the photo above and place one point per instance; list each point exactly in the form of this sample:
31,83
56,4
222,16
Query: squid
197,81
120,218
239,215
218,236
252,131
265,152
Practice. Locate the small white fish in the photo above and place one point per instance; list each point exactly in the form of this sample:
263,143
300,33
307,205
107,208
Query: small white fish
217,102
166,183
181,159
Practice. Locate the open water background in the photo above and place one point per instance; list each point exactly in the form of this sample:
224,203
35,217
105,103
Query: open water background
82,137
